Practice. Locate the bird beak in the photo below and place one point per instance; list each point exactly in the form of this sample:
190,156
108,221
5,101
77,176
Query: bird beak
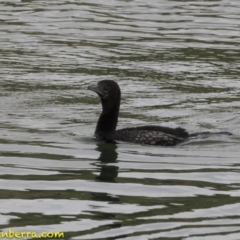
94,89
99,91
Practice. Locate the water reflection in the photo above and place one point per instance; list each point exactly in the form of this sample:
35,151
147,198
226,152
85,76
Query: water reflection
108,155
108,173
177,63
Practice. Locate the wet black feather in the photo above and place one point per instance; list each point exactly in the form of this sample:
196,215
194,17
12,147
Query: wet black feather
110,95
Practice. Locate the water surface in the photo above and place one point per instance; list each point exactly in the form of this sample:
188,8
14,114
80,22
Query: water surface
177,63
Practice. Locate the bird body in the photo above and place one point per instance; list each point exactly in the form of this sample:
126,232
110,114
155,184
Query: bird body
110,95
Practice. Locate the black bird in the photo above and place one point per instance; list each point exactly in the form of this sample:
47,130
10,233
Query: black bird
110,95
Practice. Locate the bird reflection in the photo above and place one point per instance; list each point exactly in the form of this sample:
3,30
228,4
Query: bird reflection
108,154
108,173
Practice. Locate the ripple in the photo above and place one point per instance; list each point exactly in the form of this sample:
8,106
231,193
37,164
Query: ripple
177,65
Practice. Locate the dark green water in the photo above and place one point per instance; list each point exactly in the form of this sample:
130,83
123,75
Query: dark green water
177,63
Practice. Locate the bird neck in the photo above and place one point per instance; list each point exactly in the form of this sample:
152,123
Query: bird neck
107,121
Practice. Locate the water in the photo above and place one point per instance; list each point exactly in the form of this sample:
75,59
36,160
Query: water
177,63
